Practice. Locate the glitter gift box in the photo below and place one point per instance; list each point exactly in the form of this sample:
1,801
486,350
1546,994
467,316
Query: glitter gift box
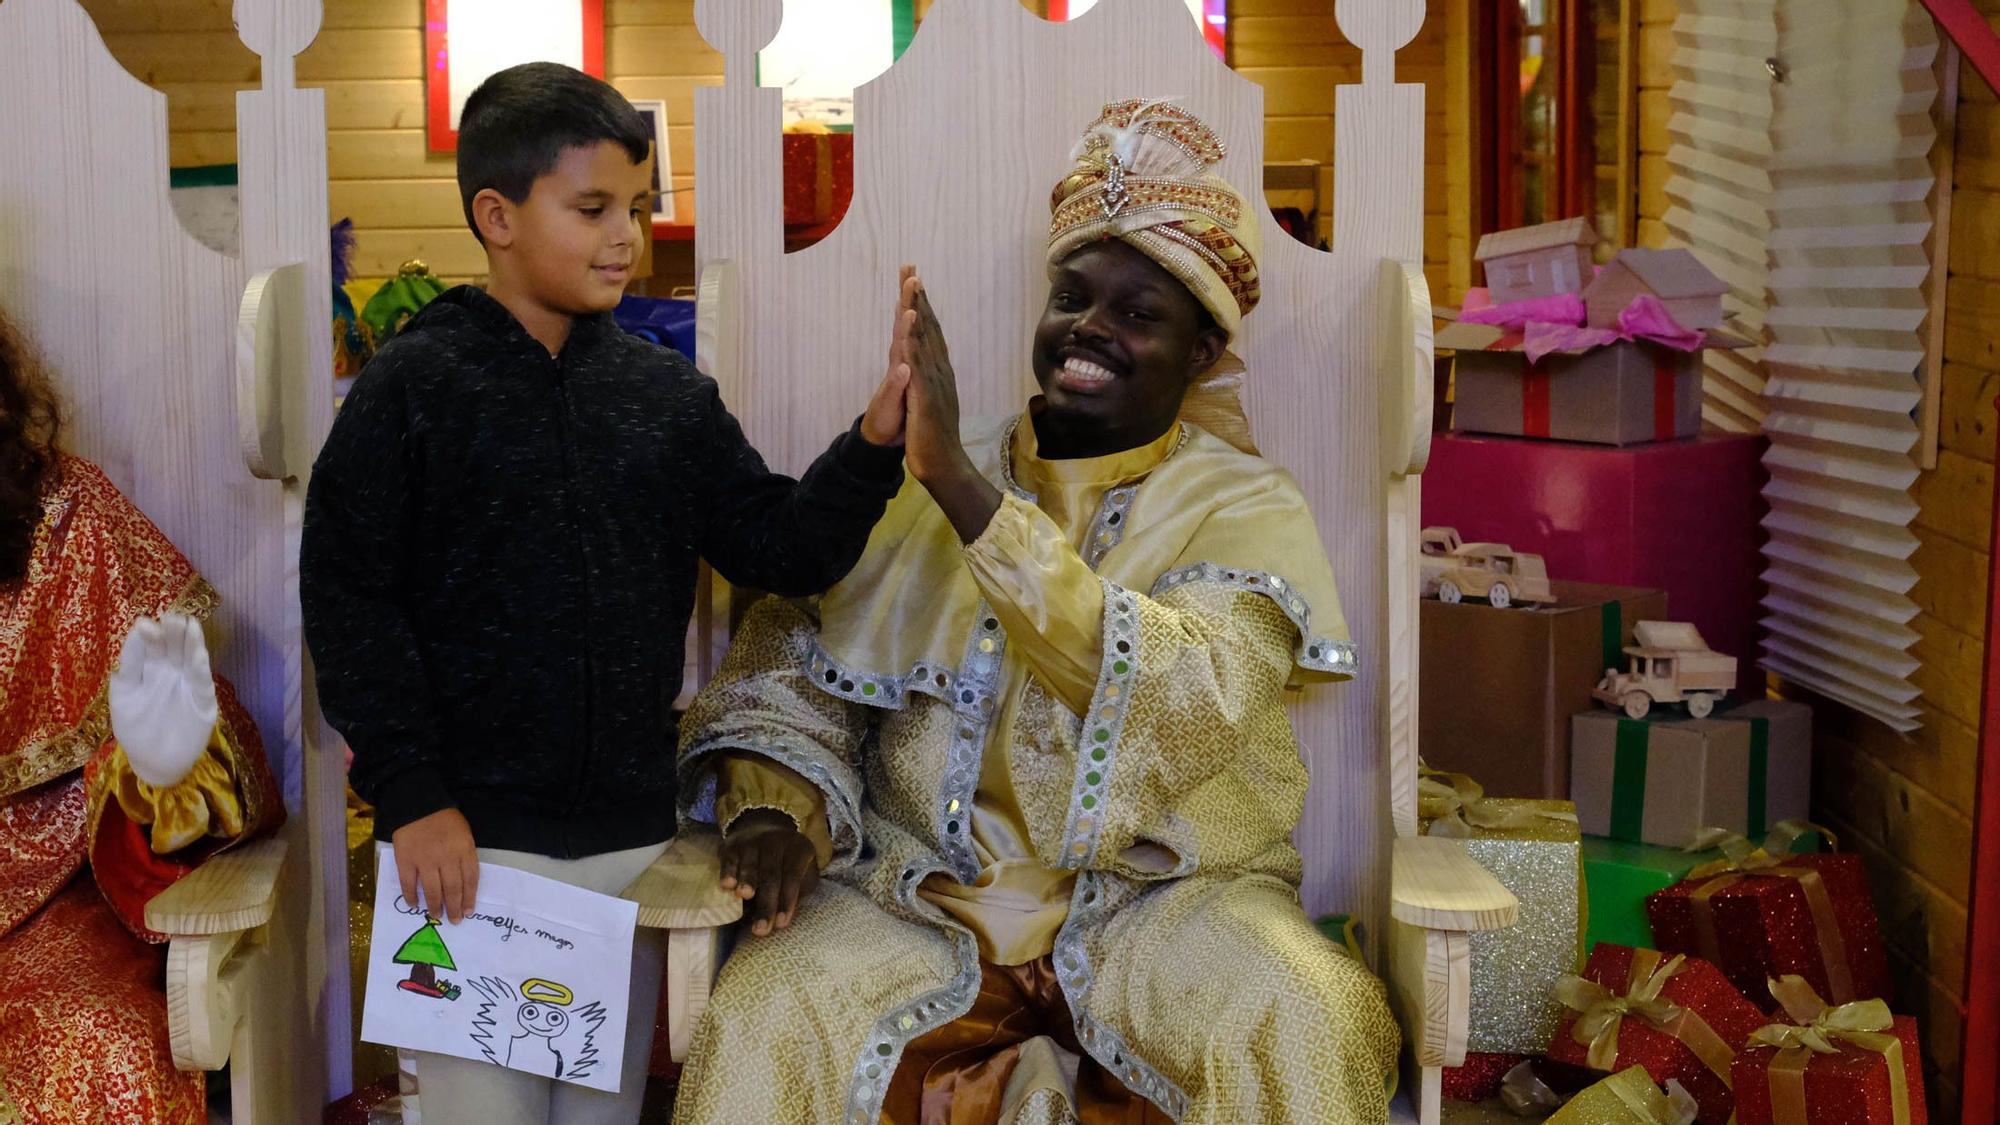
1851,1064
819,177
1762,917
1678,1017
1534,849
1629,1097
1479,1076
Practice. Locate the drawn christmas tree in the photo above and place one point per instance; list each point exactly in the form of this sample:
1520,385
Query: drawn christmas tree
425,954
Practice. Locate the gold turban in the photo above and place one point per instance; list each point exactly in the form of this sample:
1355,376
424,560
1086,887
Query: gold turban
1144,175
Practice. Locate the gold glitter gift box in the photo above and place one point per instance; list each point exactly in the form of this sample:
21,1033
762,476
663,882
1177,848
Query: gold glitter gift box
1534,848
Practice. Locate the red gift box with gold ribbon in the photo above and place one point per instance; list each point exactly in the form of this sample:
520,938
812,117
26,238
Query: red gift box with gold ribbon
1678,1017
1839,1064
1760,915
819,177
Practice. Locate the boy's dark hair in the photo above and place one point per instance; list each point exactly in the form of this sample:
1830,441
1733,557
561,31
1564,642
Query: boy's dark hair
516,125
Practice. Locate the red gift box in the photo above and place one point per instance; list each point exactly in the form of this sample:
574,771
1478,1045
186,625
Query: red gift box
1479,1076
1680,516
1678,1017
1853,1064
819,177
1762,918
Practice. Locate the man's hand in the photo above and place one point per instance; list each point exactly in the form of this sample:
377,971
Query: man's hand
882,423
766,859
931,445
436,853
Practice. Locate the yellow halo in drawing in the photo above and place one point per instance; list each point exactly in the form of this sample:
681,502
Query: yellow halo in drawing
547,991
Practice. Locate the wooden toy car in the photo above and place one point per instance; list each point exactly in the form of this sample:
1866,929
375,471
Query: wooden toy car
1670,664
1454,570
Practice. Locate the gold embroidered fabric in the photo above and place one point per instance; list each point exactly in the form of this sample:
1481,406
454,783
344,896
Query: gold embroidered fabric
974,772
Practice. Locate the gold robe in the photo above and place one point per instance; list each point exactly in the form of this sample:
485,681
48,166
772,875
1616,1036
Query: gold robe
1069,735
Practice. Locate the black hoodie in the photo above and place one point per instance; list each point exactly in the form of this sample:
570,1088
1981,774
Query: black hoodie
499,563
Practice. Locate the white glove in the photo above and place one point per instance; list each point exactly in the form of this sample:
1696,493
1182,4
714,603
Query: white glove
163,698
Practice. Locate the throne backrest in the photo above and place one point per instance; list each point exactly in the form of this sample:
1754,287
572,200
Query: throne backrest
188,374
956,149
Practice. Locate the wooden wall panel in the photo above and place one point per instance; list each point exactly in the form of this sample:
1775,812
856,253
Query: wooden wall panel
1294,50
369,60
1906,802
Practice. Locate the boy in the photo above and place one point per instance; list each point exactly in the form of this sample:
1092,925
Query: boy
500,545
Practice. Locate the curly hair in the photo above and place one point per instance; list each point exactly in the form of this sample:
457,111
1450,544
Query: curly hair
30,420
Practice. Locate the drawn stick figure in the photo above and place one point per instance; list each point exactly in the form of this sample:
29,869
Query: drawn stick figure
542,1018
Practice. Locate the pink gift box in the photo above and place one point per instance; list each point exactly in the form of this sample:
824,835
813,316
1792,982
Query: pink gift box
1682,516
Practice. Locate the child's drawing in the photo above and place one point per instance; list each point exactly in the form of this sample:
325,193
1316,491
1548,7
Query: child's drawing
425,954
534,1029
546,969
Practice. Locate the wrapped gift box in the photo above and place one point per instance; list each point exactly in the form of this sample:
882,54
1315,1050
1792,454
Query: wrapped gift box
1629,1097
1515,969
1830,1065
1497,687
1618,876
1479,1076
1809,915
819,177
1615,394
1694,1047
1680,516
1658,780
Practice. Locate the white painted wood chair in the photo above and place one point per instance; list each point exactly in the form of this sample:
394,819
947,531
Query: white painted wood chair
202,384
956,147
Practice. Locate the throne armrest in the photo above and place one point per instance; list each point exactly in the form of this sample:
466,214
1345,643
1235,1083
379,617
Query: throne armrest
231,891
681,890
213,918
1438,896
680,894
1435,885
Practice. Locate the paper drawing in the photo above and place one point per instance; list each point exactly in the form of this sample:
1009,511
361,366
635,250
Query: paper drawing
543,976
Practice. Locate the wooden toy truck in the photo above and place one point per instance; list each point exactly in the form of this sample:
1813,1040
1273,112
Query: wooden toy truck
1670,664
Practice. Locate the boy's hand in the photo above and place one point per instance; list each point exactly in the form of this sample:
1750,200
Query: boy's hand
766,859
882,423
436,852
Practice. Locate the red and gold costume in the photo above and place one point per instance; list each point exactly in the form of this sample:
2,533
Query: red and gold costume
83,1019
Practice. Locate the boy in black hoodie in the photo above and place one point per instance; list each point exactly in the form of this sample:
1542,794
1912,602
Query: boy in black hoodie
501,538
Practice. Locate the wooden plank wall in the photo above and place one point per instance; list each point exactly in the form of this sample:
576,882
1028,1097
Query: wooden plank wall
405,204
1656,77
1295,51
369,59
1907,803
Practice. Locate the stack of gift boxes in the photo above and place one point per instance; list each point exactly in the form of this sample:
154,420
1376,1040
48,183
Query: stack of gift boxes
1690,947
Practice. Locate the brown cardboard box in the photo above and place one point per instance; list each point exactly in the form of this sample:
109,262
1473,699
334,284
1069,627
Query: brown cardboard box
1497,687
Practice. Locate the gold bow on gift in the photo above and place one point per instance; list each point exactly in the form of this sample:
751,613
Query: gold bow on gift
1603,1011
1740,855
1820,1028
1457,806
1741,859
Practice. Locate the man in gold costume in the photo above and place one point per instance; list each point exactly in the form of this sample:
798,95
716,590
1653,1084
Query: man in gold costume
1036,742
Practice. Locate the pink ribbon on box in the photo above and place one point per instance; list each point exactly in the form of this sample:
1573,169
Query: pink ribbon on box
1557,324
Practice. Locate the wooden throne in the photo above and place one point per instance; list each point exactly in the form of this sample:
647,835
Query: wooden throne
202,384
956,147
